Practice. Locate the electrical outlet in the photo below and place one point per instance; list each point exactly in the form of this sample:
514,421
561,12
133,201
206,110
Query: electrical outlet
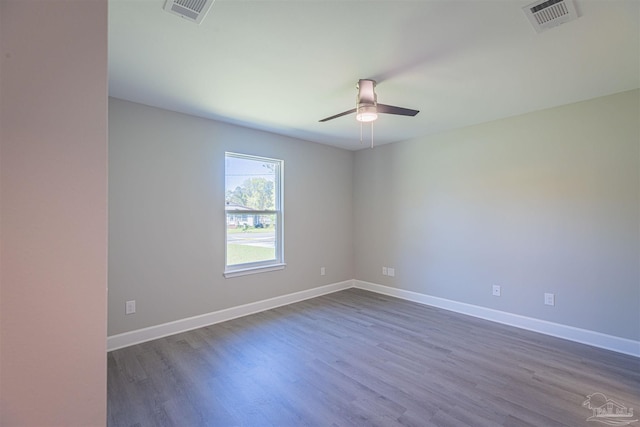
384,271
322,271
391,271
497,291
549,299
130,307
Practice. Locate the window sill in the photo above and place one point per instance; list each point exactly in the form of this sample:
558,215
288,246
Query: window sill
253,270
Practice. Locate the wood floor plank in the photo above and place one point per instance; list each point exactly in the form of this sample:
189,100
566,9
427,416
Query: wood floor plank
356,358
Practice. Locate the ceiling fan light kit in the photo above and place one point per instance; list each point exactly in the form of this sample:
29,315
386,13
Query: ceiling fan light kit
366,113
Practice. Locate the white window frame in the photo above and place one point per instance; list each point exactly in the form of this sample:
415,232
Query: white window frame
268,265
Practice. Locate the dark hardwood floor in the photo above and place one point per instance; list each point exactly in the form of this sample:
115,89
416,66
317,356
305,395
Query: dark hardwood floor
356,358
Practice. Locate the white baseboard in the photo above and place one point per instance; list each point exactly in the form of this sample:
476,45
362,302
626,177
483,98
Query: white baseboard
138,336
584,336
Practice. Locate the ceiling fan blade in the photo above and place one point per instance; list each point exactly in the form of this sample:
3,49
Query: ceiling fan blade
390,109
353,110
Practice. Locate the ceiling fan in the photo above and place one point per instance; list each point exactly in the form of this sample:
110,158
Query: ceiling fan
367,107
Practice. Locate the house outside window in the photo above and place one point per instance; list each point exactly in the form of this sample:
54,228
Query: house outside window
254,220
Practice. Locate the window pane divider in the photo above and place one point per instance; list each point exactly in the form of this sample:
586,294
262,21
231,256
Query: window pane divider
250,212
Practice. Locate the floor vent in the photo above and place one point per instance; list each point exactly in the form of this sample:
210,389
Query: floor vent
547,14
192,10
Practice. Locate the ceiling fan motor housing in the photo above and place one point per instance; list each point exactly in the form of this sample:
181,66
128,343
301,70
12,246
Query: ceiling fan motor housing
366,92
366,101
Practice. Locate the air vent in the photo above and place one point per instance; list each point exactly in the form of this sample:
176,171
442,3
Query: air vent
547,14
192,10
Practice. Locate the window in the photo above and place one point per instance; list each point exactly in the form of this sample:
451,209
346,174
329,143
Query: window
253,206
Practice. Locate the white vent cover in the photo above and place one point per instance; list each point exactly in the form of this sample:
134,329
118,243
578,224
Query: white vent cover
545,14
193,10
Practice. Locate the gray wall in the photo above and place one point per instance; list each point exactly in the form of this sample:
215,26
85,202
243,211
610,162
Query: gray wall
166,215
544,202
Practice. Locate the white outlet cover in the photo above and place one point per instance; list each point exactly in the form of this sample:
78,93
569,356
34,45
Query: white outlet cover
322,271
384,271
549,299
130,307
497,291
391,271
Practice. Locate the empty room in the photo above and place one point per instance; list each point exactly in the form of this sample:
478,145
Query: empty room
320,213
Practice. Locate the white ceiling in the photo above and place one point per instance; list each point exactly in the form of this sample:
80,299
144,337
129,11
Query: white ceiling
280,66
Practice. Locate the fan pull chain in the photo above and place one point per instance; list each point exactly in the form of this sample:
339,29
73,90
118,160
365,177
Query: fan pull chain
371,134
361,133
